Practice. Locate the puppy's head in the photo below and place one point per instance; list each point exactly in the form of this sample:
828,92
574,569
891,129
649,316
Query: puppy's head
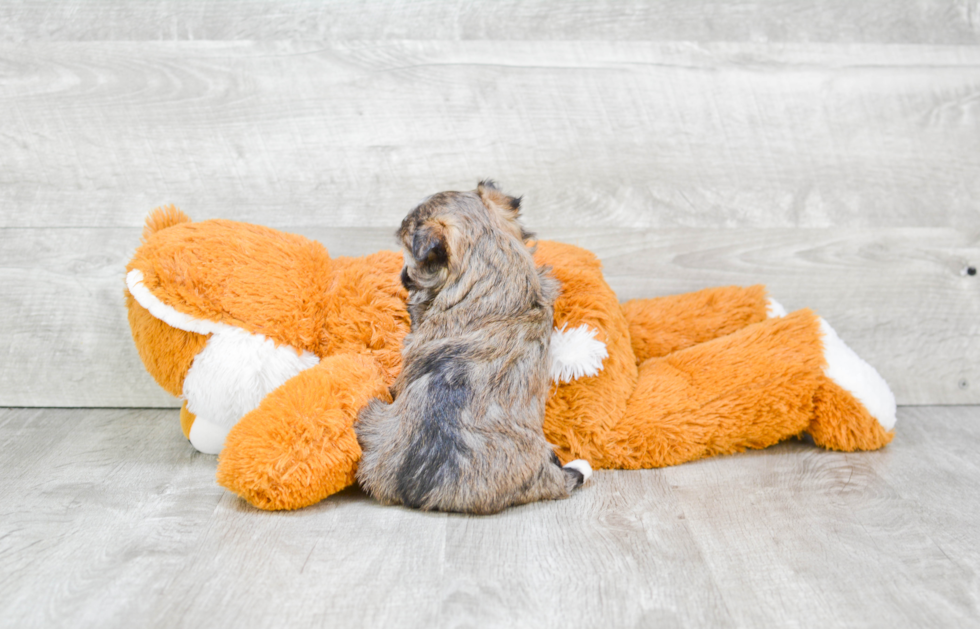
439,234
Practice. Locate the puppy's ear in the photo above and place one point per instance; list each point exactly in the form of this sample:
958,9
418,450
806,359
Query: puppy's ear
508,208
495,200
429,246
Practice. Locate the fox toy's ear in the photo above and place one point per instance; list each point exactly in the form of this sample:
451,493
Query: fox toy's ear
429,246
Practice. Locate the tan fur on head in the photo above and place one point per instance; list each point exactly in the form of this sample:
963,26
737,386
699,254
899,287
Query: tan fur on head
428,238
440,235
443,224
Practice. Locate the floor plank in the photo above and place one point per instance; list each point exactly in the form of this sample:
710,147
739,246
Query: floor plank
595,134
94,527
623,545
880,21
119,523
942,483
802,532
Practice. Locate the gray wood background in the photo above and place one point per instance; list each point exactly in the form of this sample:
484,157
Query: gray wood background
828,149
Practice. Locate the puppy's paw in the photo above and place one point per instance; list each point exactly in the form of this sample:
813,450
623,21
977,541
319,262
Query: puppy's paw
578,471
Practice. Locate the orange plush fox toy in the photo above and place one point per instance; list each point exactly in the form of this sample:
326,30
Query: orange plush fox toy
274,346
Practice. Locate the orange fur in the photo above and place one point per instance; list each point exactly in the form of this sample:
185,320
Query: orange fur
663,325
299,446
186,421
750,389
242,275
364,311
580,415
282,286
162,218
687,376
167,352
841,423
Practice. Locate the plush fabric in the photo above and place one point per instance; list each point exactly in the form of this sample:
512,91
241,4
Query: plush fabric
663,325
681,378
276,462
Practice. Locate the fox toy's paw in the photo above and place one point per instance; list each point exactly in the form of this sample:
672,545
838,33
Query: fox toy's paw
299,445
854,409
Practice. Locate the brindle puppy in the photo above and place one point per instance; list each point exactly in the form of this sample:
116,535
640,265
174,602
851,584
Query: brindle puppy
465,431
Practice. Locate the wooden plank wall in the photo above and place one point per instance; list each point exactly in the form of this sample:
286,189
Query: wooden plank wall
828,149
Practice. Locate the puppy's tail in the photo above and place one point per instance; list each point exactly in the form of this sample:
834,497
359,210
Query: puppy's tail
576,473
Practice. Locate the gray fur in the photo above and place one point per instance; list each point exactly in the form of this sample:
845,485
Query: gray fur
465,430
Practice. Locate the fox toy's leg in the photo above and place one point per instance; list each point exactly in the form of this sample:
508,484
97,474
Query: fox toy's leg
751,389
664,325
299,445
853,408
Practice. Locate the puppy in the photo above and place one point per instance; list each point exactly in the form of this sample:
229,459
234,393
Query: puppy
465,430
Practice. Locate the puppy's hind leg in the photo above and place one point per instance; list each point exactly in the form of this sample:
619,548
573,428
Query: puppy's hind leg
552,481
377,437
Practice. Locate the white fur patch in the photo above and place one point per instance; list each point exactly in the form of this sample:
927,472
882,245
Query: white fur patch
582,467
774,309
165,313
207,437
230,376
576,353
858,378
234,372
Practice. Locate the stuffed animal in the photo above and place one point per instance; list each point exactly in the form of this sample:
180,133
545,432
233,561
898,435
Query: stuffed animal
274,346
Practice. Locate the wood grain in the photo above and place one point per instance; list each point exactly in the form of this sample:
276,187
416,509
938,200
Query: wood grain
66,338
636,563
899,297
824,538
91,530
872,21
111,520
942,483
595,134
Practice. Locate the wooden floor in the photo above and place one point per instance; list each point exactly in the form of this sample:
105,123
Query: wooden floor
110,519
